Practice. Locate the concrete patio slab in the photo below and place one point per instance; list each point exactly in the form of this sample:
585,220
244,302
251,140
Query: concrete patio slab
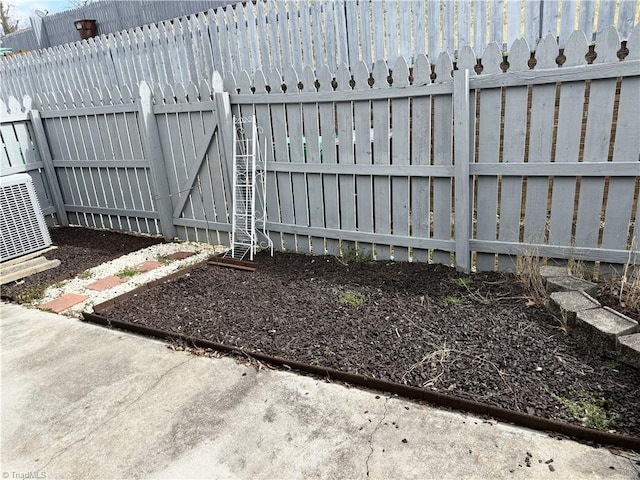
81,401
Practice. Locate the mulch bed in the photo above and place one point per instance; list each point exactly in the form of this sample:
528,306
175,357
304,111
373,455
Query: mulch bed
609,295
474,336
78,249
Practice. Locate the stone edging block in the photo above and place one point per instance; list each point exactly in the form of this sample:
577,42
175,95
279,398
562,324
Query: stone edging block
603,327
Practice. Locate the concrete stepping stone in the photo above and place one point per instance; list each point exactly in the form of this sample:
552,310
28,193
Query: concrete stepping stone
60,304
601,327
568,283
104,283
148,266
180,255
629,348
568,304
547,271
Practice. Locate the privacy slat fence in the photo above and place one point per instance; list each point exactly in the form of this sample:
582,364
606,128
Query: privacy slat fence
111,16
465,169
277,35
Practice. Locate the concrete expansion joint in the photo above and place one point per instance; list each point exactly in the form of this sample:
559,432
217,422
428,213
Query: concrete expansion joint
66,448
373,432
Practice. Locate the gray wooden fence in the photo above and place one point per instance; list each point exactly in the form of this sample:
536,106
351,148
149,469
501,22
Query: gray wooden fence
278,34
111,15
466,169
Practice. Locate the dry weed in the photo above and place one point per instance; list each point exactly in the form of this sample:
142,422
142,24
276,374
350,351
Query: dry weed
532,281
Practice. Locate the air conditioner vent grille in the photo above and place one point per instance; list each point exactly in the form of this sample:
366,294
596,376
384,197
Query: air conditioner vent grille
22,226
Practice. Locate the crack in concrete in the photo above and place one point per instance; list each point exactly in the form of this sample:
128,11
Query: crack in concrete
112,417
377,427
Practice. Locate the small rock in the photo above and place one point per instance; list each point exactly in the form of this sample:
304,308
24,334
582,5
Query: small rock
551,468
404,440
377,397
612,467
549,461
406,408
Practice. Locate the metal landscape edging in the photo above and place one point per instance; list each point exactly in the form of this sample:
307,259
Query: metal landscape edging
406,391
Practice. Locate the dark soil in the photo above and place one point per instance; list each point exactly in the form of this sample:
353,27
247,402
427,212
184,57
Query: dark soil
475,337
609,295
78,249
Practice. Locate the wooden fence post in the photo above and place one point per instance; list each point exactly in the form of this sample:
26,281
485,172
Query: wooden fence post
47,162
155,158
225,130
462,152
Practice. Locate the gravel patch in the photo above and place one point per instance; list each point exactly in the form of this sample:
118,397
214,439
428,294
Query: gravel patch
157,252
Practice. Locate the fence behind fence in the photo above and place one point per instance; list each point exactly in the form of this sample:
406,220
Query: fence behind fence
547,160
277,34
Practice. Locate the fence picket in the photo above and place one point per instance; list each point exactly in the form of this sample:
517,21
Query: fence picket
391,30
421,155
329,181
346,183
364,40
596,144
488,152
464,24
480,27
442,152
377,31
419,46
245,43
568,143
567,21
318,32
223,40
496,25
586,18
400,156
448,25
542,115
626,16
305,26
210,186
351,30
513,151
362,135
285,193
296,145
342,51
550,16
252,30
381,151
312,155
263,118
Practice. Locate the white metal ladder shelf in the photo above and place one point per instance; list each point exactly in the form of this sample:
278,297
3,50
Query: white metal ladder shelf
249,189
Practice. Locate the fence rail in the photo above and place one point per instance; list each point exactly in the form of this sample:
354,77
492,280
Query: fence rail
275,35
394,162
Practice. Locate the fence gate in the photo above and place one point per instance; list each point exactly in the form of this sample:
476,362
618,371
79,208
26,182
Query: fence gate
189,141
